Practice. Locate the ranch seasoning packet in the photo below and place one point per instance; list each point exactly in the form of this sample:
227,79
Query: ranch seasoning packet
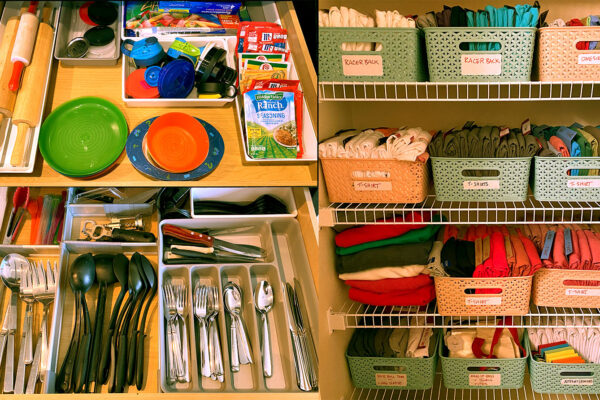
271,128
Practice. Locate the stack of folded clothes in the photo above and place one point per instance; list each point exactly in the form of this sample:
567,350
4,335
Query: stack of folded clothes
392,343
387,265
584,341
492,251
571,246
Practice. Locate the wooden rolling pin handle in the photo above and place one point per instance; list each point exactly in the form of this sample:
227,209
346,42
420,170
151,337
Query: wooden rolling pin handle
16,158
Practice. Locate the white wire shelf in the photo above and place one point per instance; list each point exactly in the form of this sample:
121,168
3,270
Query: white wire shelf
356,315
440,392
504,212
458,91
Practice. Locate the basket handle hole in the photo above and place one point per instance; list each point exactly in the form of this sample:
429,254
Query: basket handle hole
582,171
362,46
583,45
480,369
483,291
577,373
481,172
389,368
480,46
575,282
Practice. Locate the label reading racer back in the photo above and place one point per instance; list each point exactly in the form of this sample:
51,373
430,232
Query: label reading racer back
481,64
362,65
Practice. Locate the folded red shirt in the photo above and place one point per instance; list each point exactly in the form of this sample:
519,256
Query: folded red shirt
392,285
418,297
371,233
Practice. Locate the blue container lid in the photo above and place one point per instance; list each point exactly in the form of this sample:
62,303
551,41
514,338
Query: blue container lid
176,79
151,75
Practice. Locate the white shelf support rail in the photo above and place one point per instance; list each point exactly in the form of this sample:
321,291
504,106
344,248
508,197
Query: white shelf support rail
459,91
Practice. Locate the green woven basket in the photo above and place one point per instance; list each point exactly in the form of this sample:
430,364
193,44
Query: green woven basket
457,375
394,373
551,182
448,63
401,59
454,182
563,378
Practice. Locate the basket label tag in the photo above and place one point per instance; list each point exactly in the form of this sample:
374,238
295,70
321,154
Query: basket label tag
548,245
481,64
577,382
568,242
365,186
588,59
485,379
390,379
478,185
583,183
362,65
582,292
483,301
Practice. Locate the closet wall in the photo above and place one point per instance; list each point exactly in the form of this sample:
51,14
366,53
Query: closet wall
434,115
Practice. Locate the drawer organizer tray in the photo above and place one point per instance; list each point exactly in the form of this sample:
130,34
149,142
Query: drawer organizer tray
286,261
466,373
375,181
563,378
560,60
400,59
453,179
453,299
550,289
394,373
551,182
449,63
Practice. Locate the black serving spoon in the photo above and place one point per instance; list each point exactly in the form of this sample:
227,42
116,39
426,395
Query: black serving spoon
132,333
152,279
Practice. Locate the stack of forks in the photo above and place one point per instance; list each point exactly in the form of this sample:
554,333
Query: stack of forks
206,311
177,355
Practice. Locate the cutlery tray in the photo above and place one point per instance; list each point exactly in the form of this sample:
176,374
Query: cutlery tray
286,260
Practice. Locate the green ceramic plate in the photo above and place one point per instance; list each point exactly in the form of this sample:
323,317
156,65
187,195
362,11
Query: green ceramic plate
83,137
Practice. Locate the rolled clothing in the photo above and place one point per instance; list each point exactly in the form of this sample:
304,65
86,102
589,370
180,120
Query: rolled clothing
370,233
584,248
384,273
434,267
535,263
458,257
334,146
560,146
392,285
361,146
388,256
532,146
594,243
418,297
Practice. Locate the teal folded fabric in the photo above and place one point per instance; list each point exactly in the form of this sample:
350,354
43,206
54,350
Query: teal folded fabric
473,143
502,150
532,147
585,149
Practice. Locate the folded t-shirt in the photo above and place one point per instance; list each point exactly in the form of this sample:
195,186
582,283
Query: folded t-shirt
392,285
389,256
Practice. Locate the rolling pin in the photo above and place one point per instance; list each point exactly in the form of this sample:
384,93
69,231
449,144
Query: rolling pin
28,108
7,96
23,47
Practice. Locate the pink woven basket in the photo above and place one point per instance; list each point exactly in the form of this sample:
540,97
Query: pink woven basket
375,181
458,297
549,288
560,60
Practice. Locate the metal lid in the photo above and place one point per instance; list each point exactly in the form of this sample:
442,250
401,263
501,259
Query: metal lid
78,47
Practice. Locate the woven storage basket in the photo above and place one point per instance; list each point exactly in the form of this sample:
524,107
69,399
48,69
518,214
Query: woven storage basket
560,60
448,63
551,182
394,373
452,299
457,375
562,378
510,185
401,59
549,288
375,181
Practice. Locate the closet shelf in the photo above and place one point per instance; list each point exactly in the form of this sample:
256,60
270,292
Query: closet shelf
356,315
439,391
504,212
458,91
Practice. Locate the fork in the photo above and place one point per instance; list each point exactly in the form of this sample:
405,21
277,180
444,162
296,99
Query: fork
200,312
44,288
25,351
213,334
182,338
173,362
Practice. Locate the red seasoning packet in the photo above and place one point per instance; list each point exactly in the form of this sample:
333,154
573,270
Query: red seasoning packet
245,27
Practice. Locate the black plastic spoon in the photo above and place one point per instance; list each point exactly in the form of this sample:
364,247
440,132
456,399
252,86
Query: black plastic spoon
132,333
152,279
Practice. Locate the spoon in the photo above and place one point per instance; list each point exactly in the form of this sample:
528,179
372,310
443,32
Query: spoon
136,286
121,271
10,272
105,276
133,330
152,280
83,275
263,301
232,296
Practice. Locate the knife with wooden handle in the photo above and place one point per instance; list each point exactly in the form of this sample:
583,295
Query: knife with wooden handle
28,108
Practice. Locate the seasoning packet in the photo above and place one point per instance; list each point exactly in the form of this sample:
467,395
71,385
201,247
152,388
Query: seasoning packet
270,121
